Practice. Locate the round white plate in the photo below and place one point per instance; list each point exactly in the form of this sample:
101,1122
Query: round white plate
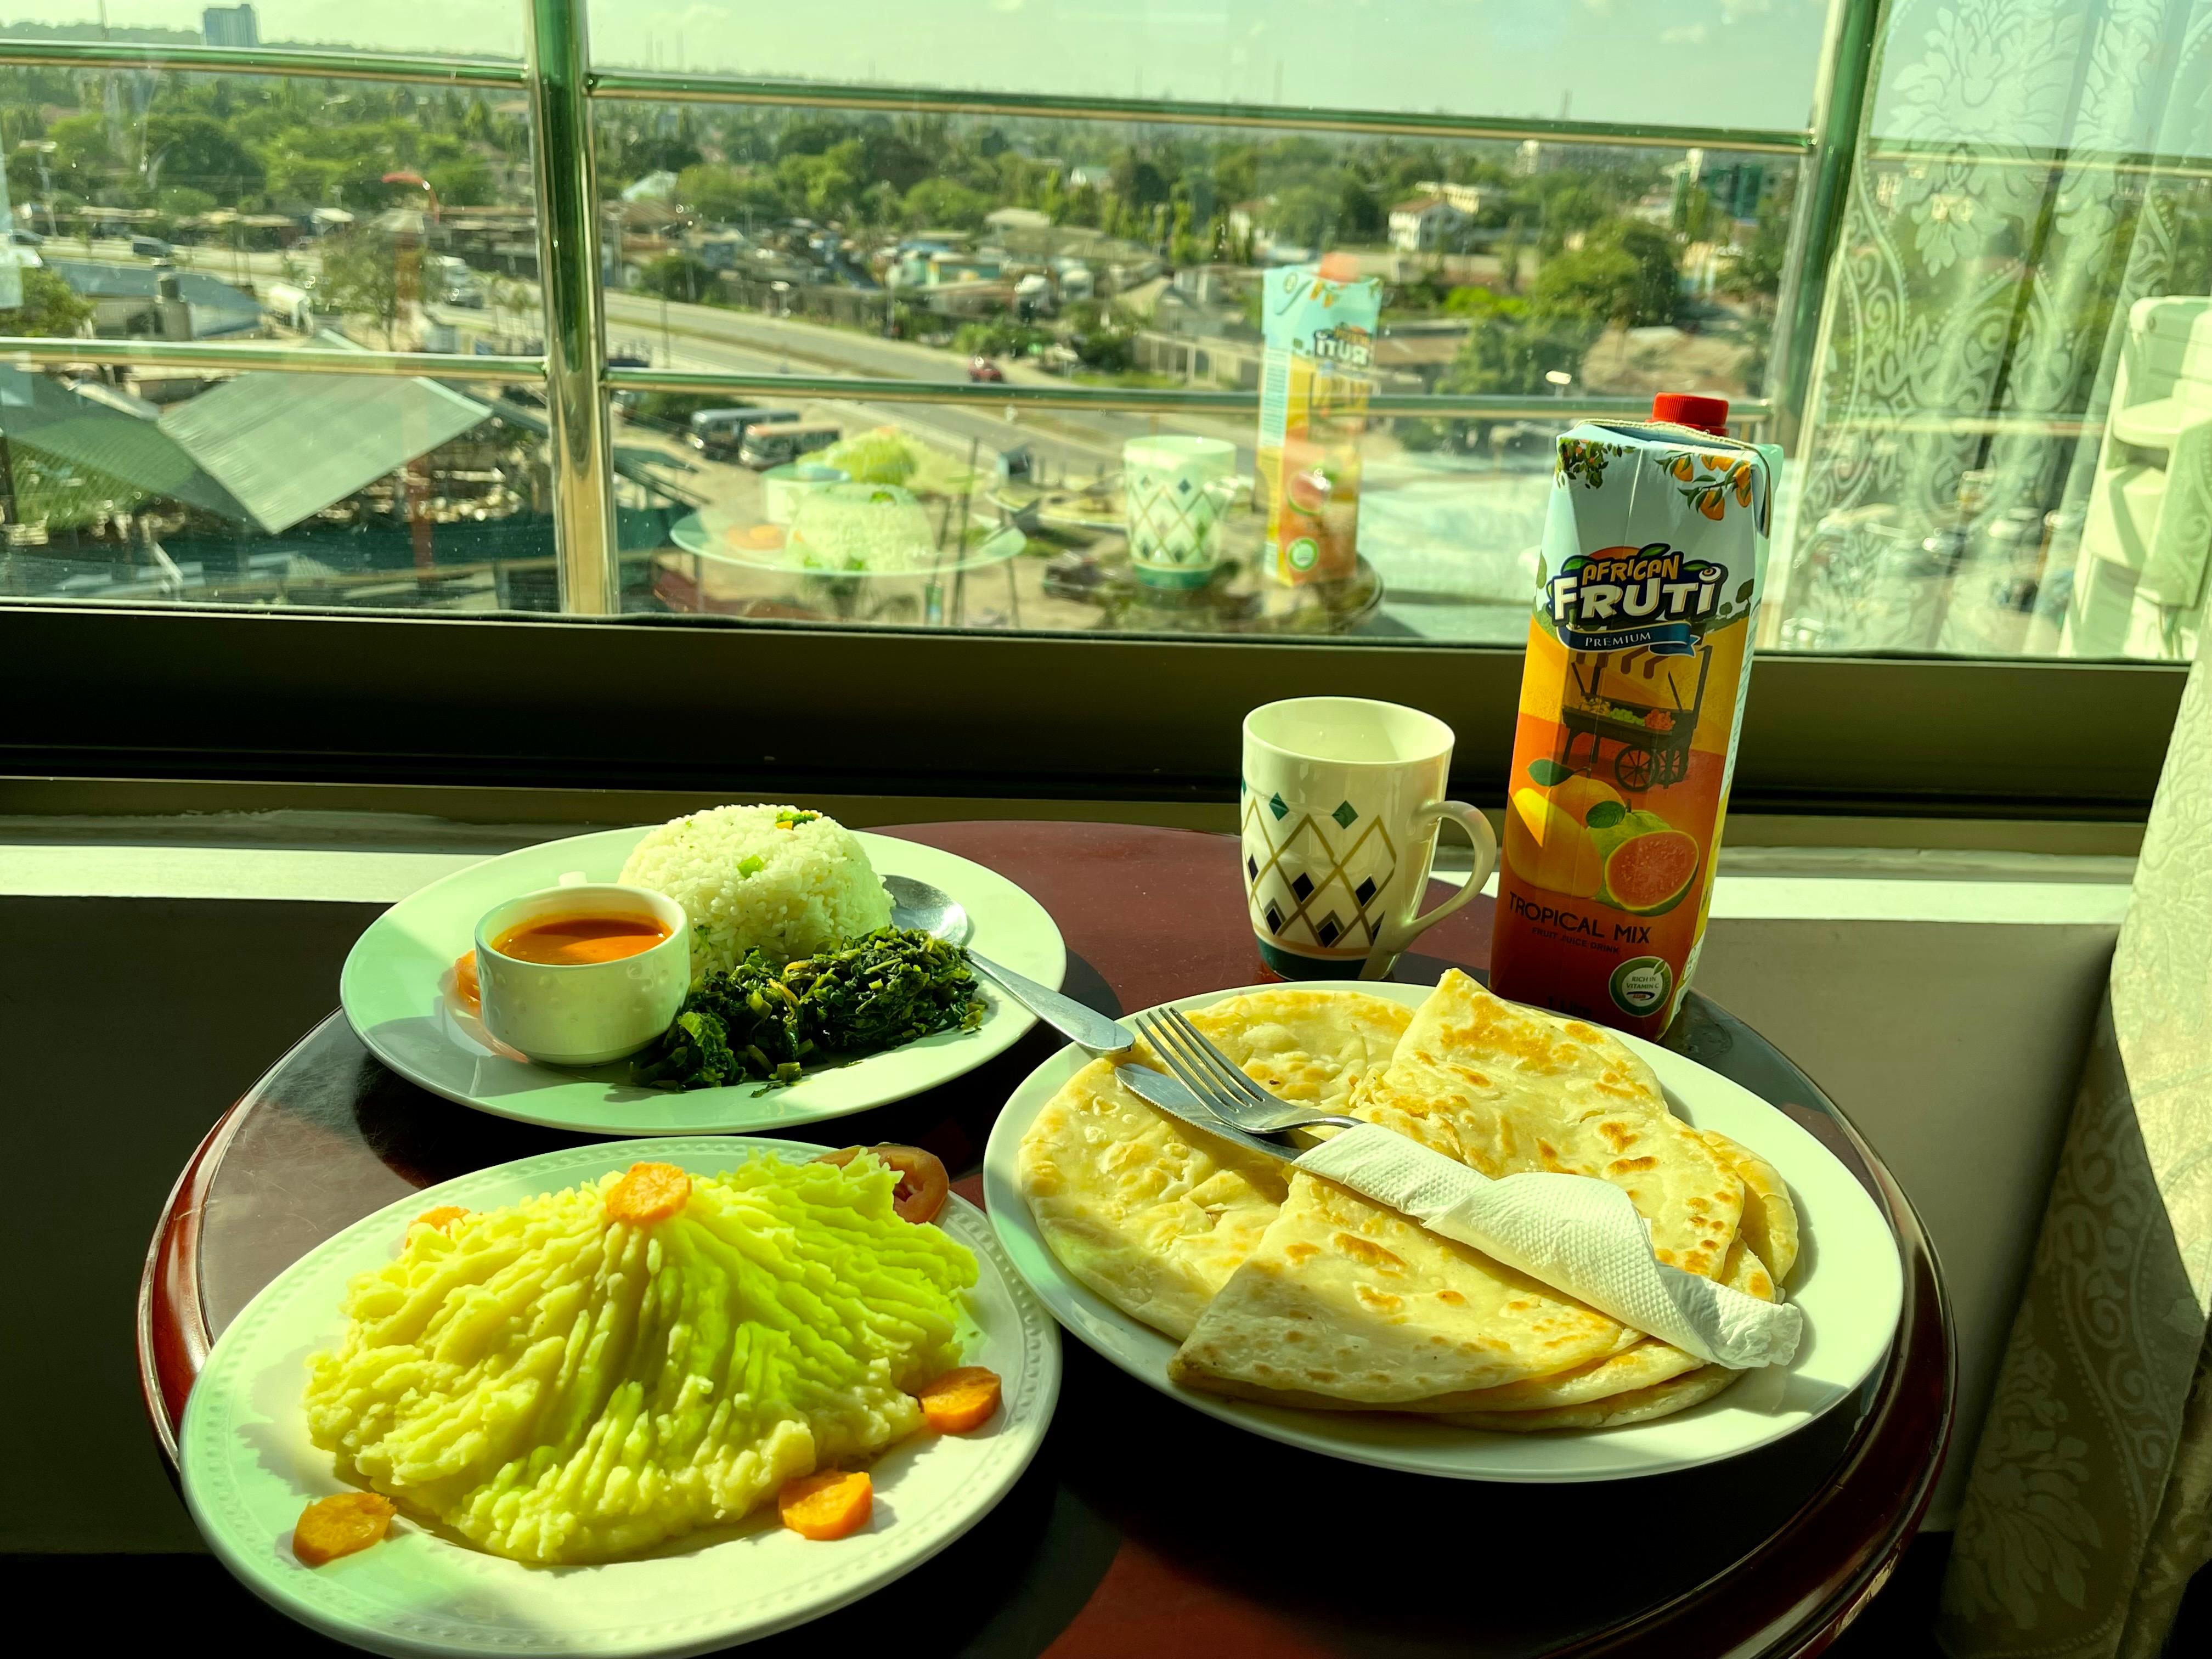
249,1469
1848,1280
397,988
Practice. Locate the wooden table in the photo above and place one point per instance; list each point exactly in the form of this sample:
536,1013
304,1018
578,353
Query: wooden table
1144,1528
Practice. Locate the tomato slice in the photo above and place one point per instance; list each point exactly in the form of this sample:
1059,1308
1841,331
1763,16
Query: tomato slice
922,1183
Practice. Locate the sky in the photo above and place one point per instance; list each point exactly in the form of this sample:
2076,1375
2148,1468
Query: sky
1740,62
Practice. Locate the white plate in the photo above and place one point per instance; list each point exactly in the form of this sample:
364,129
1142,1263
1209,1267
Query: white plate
249,1469
397,989
1848,1280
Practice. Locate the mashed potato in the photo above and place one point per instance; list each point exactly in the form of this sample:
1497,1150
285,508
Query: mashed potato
560,1386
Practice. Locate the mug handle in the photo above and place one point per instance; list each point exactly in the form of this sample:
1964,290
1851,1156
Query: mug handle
1395,938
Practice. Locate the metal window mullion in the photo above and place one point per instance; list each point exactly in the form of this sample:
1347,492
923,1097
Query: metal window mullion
29,351
1171,401
428,69
1816,226
579,443
653,86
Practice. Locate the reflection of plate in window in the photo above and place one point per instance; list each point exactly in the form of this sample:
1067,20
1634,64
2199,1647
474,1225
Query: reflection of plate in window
755,537
875,530
860,529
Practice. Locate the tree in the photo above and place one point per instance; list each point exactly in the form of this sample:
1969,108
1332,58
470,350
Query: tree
1136,181
678,277
50,307
1236,172
1755,273
1359,217
1303,213
465,178
1512,347
1183,247
941,204
1624,272
365,274
716,191
199,151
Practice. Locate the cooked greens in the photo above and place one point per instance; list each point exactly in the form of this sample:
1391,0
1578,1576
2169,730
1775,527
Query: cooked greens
763,1022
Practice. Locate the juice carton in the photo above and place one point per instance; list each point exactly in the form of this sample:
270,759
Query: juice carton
1319,324
1639,648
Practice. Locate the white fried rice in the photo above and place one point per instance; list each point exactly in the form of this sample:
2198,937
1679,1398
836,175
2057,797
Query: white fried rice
812,888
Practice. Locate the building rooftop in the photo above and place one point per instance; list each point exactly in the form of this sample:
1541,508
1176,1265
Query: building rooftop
246,433
91,434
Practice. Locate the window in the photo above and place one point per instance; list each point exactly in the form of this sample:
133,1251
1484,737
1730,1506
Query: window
866,333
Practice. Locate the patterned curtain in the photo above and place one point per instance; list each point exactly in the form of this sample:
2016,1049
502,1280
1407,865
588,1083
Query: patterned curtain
2030,169
2090,1504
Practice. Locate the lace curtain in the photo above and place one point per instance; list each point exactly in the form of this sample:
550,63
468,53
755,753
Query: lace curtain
2029,170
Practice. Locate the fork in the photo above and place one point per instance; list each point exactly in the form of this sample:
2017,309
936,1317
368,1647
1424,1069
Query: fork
1219,1083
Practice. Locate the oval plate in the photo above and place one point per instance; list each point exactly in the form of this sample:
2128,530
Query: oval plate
1848,1280
249,1469
397,989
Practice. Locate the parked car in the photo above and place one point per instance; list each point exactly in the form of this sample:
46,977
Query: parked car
768,446
982,369
149,248
721,432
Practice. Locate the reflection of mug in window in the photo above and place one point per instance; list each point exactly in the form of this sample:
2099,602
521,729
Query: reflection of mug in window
1175,493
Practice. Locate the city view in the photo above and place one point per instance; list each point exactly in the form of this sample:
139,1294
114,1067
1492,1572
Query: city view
963,250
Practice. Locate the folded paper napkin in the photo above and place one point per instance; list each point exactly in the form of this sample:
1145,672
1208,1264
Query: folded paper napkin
1574,1233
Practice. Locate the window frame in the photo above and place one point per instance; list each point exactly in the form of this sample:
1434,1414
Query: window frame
210,691
708,703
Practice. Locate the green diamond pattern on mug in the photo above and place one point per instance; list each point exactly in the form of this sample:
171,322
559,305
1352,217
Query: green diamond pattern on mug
1315,882
1174,517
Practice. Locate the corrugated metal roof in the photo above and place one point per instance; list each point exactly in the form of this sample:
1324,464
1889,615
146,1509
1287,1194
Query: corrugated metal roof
289,445
54,421
218,308
97,280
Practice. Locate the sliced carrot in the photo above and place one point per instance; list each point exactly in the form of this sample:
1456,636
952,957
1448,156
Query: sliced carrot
922,1183
960,1399
465,987
650,1192
829,1504
442,1217
341,1524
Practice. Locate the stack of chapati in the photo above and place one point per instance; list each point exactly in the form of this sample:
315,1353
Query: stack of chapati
1296,1291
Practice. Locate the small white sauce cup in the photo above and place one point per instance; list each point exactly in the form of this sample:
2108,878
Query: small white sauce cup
590,1012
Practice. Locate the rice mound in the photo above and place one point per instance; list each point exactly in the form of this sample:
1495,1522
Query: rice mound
811,889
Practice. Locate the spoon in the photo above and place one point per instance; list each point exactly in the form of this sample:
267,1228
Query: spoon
916,904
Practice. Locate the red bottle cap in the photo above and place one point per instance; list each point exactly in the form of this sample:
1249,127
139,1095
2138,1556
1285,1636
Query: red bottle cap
1688,409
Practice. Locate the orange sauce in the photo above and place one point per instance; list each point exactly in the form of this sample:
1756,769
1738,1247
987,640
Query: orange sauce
573,940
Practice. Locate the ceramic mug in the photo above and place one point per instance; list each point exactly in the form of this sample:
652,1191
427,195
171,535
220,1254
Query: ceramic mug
583,1013
1175,493
1340,803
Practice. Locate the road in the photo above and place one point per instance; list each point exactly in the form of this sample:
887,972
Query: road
706,338
1452,541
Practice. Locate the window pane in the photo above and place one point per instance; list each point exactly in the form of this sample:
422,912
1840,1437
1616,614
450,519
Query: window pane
332,214
274,488
1598,60
384,216
474,28
1030,253
2009,446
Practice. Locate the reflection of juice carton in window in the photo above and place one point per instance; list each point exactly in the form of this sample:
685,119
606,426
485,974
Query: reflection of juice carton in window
1639,650
1319,328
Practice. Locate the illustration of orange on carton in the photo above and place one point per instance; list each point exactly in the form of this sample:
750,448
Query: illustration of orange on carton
1547,836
